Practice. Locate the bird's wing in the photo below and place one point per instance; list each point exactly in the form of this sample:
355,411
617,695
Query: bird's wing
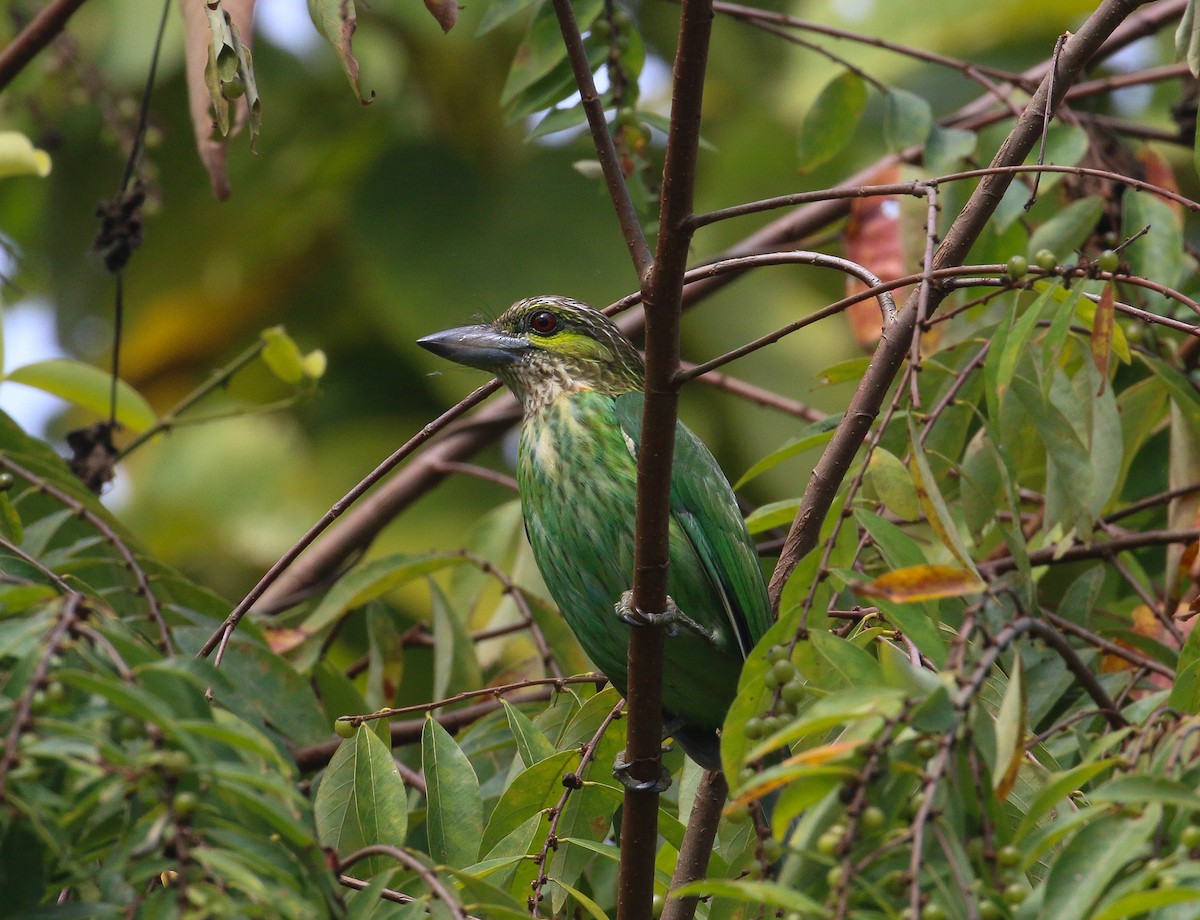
703,505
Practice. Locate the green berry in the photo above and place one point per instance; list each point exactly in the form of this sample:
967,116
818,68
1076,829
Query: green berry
990,910
755,728
1190,837
778,653
657,903
737,814
1046,260
873,818
1015,893
1109,261
926,748
772,849
1018,267
1008,856
933,911
185,804
833,877
344,729
6,481
793,692
828,843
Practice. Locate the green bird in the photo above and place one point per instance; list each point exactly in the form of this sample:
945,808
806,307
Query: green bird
579,381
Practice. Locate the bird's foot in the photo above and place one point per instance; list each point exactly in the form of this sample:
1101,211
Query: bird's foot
621,772
671,619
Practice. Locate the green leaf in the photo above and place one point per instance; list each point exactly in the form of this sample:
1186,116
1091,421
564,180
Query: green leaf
1159,253
500,11
1056,789
1069,228
455,666
454,822
932,502
1187,38
1086,866
543,50
831,121
532,745
337,20
893,485
361,800
772,514
771,894
1145,789
1144,903
533,790
815,435
371,580
87,387
947,148
907,119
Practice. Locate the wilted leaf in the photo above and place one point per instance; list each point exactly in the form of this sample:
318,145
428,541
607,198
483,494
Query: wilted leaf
1102,333
874,239
337,20
923,583
444,11
210,50
1010,733
831,121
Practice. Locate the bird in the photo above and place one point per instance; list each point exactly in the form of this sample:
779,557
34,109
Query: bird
580,384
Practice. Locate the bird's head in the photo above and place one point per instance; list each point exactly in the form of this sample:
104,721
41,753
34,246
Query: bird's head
545,346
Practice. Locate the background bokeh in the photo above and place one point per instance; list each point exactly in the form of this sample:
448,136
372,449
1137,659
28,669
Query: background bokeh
362,228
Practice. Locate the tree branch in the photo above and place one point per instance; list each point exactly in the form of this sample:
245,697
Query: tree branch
42,30
662,288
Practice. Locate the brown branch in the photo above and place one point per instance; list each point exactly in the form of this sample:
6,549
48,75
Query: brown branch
41,30
1077,52
408,731
692,864
412,863
1051,555
662,288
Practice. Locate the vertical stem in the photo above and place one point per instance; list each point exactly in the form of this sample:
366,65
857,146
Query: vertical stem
697,843
662,286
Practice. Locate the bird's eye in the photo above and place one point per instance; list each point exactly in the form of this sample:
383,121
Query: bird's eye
543,322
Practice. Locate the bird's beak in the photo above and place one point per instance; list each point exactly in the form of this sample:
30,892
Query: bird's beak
476,346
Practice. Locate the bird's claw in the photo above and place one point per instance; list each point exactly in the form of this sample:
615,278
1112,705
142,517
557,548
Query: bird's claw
670,619
621,772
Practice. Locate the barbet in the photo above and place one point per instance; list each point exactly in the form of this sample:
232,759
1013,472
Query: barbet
579,381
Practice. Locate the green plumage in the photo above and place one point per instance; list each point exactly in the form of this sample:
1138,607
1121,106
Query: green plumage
579,381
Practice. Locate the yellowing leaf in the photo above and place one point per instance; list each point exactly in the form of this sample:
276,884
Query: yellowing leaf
1102,333
18,156
923,583
1010,733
